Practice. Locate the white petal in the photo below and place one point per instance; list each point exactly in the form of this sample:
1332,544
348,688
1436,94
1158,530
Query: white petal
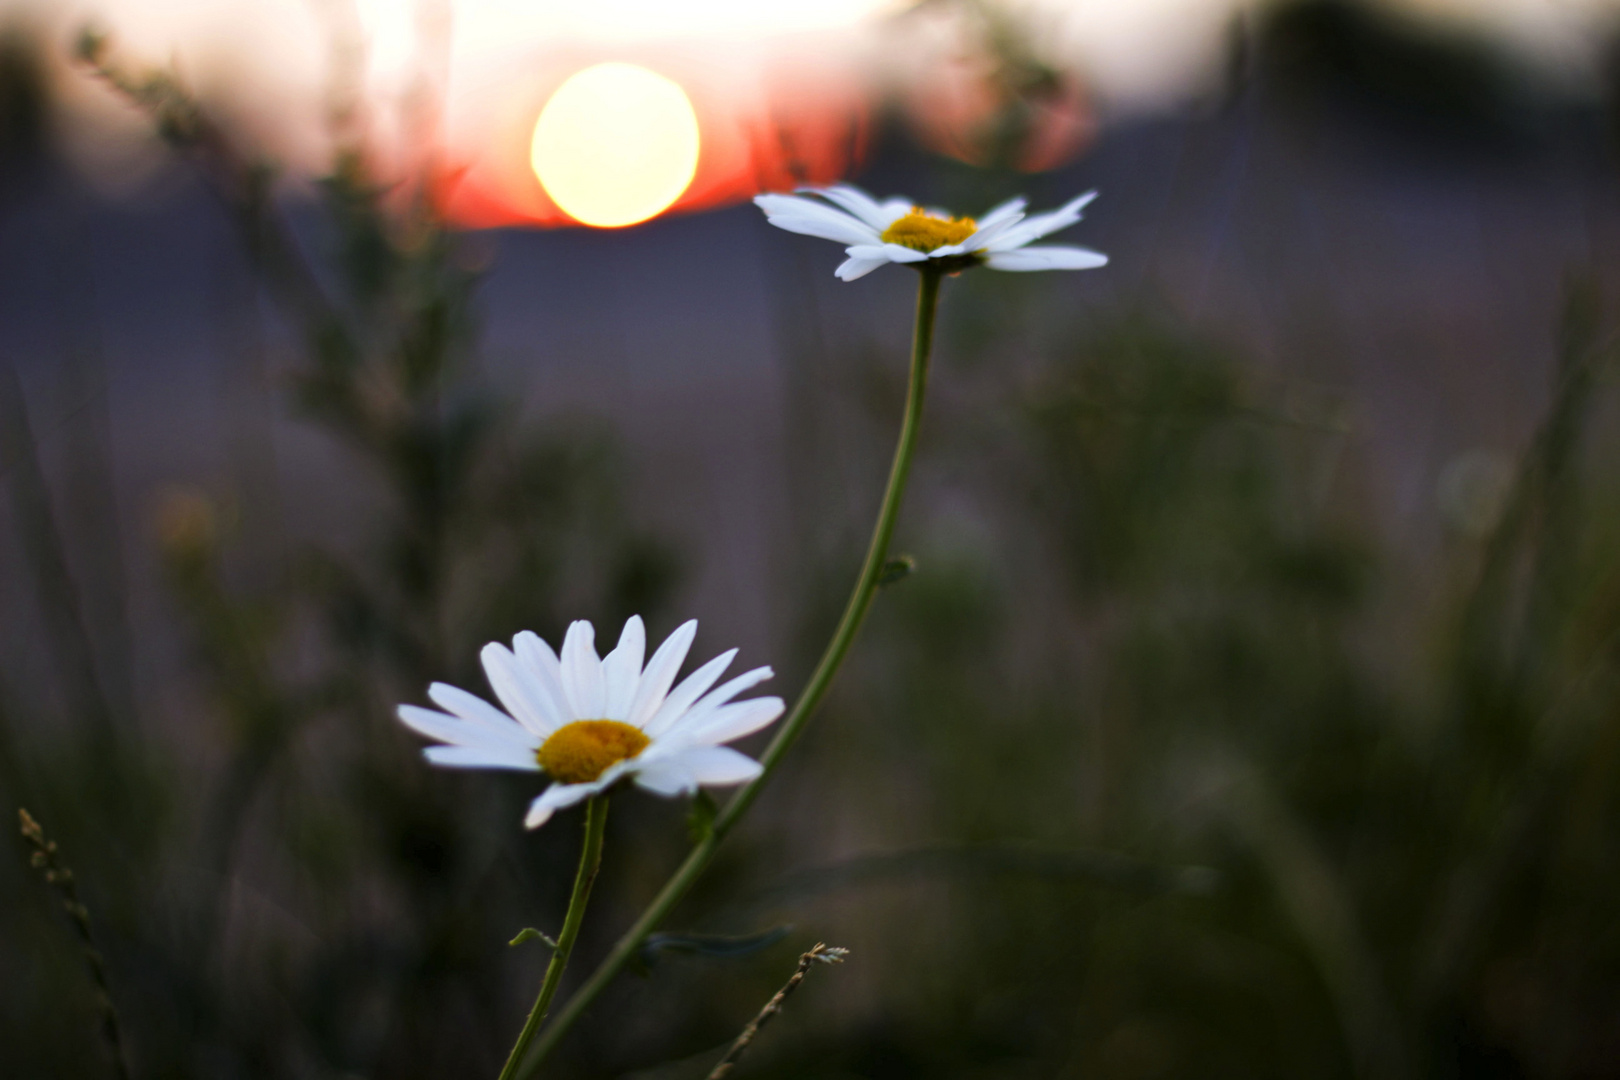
720,765
902,254
669,776
518,691
621,669
878,215
480,757
1009,211
1042,224
734,721
724,693
851,269
543,666
692,687
611,774
660,674
989,234
846,231
814,219
458,732
1047,258
895,209
554,798
897,253
470,707
999,221
582,672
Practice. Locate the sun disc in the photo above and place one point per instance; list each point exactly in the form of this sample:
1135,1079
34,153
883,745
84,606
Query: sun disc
615,144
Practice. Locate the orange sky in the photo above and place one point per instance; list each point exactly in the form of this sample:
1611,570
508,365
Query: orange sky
783,92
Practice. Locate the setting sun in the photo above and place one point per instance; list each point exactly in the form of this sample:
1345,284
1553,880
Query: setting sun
616,144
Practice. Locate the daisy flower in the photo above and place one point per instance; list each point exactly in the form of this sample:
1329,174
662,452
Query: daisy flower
898,231
589,722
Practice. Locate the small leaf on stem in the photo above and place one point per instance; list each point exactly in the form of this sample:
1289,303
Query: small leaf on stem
700,818
896,570
529,933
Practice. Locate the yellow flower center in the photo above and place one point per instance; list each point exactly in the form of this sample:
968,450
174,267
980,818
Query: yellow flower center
922,231
580,752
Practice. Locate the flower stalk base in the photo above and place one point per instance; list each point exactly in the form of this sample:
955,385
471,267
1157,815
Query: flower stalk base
590,861
860,602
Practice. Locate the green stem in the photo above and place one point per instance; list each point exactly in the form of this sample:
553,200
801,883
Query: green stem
590,861
860,601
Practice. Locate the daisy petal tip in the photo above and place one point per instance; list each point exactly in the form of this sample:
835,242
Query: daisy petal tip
854,269
721,766
1047,258
486,756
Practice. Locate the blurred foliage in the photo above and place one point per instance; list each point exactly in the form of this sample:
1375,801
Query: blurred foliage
24,98
1403,73
1175,647
481,524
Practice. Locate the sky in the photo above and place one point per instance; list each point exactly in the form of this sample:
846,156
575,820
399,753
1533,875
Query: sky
782,92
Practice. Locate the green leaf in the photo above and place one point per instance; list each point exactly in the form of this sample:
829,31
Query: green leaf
721,946
529,933
700,818
896,570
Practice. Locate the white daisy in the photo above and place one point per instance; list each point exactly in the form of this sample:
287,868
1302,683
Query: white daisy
589,722
898,231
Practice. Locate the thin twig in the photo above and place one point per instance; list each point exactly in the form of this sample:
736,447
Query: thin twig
818,954
60,878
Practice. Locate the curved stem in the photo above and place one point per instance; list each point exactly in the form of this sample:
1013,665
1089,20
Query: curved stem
590,861
860,601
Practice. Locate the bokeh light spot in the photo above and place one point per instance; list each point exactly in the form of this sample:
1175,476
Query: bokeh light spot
615,144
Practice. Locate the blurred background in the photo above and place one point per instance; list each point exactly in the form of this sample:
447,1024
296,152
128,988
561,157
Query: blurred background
1253,711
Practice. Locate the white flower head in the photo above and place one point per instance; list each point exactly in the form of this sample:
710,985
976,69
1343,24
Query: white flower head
589,722
898,231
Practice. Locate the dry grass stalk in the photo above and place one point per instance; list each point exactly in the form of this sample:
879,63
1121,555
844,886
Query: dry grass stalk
818,954
44,859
